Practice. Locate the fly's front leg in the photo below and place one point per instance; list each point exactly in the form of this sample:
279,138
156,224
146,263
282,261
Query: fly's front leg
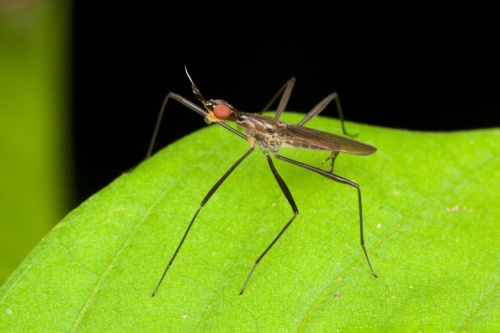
190,105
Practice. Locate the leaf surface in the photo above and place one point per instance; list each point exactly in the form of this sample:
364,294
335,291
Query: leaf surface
430,207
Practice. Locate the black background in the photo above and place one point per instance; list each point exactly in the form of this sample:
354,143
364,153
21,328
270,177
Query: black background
410,66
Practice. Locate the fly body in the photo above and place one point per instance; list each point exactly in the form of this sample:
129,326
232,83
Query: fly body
270,134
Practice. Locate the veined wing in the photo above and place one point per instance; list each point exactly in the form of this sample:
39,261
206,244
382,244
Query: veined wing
296,136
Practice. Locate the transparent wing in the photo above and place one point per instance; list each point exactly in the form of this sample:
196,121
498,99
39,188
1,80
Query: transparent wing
300,137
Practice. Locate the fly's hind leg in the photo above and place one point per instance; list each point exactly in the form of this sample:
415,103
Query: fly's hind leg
330,158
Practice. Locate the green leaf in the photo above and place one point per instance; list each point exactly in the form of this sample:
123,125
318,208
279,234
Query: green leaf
35,186
430,205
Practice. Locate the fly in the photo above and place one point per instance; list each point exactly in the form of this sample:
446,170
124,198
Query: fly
270,134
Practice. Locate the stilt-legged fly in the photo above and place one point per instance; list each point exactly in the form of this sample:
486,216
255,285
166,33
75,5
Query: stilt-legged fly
270,134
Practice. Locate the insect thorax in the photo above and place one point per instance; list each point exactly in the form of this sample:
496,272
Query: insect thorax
266,142
265,130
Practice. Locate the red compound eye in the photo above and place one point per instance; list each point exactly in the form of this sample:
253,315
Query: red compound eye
222,111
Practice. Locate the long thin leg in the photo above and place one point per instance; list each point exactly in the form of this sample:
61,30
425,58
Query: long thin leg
321,106
288,195
317,110
204,201
286,89
342,180
332,158
187,103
